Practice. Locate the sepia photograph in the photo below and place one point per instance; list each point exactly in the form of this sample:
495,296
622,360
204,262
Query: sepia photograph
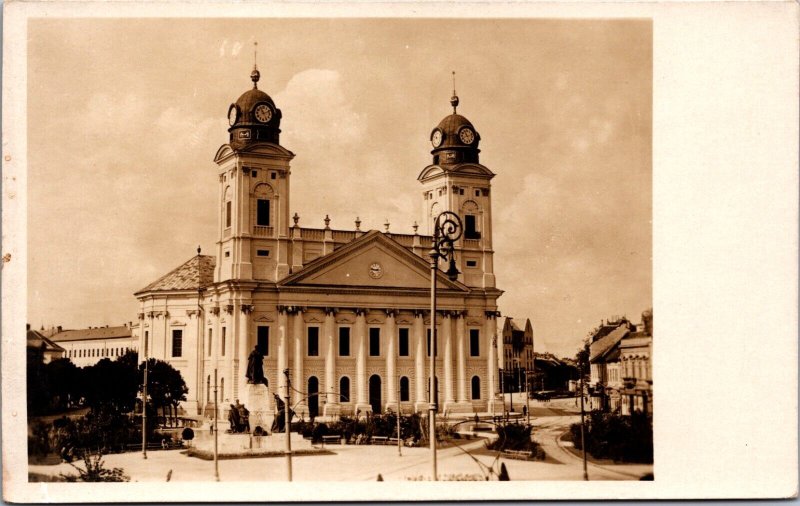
339,249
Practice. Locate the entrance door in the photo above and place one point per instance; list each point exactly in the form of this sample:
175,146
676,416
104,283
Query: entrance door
313,398
375,393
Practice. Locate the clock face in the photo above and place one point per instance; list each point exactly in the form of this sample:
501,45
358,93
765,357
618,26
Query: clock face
436,138
232,114
375,270
263,113
466,135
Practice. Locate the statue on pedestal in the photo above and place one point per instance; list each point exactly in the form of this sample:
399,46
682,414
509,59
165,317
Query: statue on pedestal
279,424
255,368
239,418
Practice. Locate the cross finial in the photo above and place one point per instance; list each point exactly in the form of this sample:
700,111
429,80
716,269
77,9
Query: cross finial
255,75
454,98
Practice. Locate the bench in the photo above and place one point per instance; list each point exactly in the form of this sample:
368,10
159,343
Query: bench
392,441
380,440
332,439
517,454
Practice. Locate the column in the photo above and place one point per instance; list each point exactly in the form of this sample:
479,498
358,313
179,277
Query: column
391,361
361,361
297,376
332,400
243,348
461,358
283,350
420,398
447,337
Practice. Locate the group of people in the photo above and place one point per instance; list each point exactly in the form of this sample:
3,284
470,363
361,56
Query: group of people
239,418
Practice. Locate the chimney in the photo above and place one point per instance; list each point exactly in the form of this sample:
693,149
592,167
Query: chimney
27,326
59,328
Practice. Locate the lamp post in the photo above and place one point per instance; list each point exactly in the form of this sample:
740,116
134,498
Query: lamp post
287,419
144,402
447,229
216,430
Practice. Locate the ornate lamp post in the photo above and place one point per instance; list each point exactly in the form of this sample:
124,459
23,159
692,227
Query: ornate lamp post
447,229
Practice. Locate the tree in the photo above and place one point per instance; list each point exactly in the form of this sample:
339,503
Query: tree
110,385
66,385
165,386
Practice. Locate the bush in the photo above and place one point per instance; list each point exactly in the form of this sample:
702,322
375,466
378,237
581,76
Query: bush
517,437
95,471
187,434
617,437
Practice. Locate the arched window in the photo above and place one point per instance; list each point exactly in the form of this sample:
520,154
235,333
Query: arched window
344,389
404,395
471,212
476,388
263,195
228,206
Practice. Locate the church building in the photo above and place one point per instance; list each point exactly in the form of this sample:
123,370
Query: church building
346,313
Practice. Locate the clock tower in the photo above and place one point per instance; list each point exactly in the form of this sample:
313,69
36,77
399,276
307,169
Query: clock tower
253,192
457,182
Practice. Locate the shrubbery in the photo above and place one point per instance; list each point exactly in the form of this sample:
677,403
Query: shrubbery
516,437
617,437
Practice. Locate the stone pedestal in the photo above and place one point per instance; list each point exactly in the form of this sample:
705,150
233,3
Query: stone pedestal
331,410
258,400
458,407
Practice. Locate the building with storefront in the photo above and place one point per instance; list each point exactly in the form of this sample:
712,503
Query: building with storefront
341,314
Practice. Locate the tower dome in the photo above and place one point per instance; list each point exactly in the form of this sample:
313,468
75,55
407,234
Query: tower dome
455,140
254,117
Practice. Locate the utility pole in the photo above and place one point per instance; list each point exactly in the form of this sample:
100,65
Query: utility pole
583,437
399,439
144,398
216,431
287,417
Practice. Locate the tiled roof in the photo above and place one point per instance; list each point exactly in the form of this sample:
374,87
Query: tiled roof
36,339
197,273
604,345
89,334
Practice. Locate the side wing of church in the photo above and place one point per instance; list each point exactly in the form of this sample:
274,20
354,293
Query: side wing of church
344,315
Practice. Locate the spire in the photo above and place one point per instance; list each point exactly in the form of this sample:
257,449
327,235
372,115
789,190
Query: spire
454,98
255,75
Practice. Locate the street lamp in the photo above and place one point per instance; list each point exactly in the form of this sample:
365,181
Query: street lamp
447,229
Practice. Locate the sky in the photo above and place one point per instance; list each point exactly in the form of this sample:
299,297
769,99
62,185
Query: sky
125,116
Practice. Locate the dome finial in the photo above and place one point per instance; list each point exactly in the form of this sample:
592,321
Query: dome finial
454,98
255,75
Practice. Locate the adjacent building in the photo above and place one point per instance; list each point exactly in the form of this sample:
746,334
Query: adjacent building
38,342
85,347
620,361
518,356
342,314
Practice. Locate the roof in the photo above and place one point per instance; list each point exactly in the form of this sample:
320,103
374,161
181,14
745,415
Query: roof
602,346
91,334
195,274
36,339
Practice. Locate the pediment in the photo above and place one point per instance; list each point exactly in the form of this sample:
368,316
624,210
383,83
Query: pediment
266,150
372,261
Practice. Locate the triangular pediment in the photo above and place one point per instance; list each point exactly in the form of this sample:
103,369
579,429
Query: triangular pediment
372,261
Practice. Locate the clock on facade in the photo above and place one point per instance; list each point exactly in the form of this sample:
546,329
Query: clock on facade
233,114
375,270
436,138
466,135
263,113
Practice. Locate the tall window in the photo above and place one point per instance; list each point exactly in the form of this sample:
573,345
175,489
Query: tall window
210,336
222,341
228,208
476,388
404,395
344,342
146,343
374,342
262,212
474,342
263,339
177,342
403,344
313,341
470,228
344,389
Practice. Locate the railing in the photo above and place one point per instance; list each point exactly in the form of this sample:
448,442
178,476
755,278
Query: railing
343,235
312,234
261,231
472,243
